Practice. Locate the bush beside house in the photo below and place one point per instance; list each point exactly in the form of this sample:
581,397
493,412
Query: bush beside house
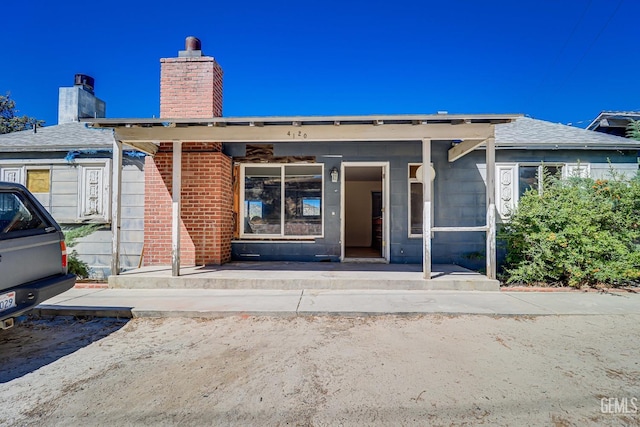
578,231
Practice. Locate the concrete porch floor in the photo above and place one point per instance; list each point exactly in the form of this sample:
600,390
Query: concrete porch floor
305,275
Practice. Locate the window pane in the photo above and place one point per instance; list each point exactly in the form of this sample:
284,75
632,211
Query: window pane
303,200
413,169
262,193
554,171
416,208
528,176
16,215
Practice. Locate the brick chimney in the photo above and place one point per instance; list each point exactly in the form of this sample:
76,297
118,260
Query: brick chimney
191,84
190,87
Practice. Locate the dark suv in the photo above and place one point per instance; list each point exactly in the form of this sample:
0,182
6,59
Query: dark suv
33,255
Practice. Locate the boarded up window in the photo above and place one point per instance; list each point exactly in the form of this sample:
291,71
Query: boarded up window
38,180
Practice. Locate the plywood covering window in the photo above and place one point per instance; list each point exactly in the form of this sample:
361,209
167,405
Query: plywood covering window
281,200
39,180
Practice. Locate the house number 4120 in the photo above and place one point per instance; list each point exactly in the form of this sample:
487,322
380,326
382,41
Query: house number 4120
298,134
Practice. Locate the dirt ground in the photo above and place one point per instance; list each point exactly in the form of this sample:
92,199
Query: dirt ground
322,371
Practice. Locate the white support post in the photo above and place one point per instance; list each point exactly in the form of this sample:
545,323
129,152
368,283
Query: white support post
491,209
116,189
426,208
176,189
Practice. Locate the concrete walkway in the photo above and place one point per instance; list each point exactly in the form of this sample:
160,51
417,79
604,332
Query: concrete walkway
129,303
296,276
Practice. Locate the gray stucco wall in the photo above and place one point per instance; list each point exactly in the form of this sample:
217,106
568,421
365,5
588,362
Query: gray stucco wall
459,197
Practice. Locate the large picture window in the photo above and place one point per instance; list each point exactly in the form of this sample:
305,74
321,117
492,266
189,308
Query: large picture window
282,201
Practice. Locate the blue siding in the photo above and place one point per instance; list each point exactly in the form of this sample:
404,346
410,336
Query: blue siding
459,197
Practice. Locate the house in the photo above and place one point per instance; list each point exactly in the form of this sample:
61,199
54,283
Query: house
613,122
68,168
338,188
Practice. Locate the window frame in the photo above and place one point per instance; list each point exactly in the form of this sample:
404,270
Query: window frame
411,180
540,165
281,235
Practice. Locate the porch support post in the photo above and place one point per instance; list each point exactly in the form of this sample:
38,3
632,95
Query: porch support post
176,189
491,209
116,190
426,208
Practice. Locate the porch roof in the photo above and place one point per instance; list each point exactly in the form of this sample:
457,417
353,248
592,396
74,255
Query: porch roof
145,134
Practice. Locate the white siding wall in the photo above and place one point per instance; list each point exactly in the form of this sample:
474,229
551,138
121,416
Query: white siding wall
68,202
96,248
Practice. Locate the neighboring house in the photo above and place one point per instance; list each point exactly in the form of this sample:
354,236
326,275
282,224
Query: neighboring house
525,145
68,168
614,122
337,188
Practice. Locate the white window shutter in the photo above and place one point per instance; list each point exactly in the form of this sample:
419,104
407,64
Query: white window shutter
12,175
506,189
92,201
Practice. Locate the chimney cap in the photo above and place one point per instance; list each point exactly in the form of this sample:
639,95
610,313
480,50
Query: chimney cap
192,43
192,46
87,82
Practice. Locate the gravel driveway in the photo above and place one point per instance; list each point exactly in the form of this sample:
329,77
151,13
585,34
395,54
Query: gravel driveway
386,370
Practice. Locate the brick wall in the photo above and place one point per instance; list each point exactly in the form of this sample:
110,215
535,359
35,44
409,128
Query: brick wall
190,87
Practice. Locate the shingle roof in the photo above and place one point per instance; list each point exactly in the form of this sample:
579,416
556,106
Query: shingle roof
524,133
530,133
62,137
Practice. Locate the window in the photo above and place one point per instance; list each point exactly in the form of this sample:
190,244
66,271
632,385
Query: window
513,180
39,180
416,202
531,176
282,201
17,215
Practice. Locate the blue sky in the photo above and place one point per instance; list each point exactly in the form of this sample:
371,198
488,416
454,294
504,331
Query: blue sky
557,60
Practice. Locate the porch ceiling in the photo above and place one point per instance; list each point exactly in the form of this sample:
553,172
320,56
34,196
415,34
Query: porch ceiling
145,134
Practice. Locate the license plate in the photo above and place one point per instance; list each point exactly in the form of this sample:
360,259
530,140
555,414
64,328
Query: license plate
7,301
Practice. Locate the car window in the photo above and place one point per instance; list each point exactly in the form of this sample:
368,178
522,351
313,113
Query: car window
17,215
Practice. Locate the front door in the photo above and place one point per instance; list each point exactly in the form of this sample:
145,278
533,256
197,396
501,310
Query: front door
364,225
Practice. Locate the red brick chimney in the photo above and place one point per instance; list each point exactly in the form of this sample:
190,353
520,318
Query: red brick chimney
191,84
190,87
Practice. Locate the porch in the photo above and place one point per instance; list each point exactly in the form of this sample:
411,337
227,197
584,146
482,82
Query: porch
305,275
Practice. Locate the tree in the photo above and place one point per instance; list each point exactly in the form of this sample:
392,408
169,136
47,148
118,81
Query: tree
10,121
633,130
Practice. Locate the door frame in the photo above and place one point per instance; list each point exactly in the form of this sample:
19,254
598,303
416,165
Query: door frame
386,211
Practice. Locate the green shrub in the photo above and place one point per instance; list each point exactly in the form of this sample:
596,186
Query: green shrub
71,236
76,266
576,232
